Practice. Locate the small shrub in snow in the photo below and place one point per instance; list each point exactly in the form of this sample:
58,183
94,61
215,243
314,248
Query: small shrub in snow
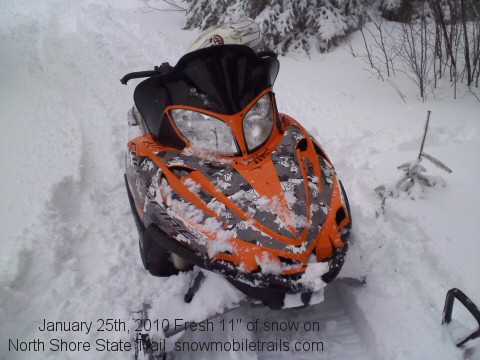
414,180
412,184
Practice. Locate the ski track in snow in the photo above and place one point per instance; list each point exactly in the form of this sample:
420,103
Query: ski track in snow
71,251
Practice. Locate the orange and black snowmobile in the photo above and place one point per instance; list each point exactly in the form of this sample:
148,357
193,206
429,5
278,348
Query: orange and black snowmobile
218,178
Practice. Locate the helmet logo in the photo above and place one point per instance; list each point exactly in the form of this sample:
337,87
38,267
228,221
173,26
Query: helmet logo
217,40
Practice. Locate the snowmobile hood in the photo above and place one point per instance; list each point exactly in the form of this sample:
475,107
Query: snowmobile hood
221,79
281,200
270,189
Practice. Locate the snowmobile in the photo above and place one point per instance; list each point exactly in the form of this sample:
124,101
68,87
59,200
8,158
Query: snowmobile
218,178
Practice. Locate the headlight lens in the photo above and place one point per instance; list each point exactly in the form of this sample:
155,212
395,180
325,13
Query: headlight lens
258,122
205,132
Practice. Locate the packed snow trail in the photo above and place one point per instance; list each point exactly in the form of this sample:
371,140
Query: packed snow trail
70,248
333,326
73,262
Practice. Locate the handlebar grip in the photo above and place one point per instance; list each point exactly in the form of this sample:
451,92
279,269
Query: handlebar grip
137,75
163,69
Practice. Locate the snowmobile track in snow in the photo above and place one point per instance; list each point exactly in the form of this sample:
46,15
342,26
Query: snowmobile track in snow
335,323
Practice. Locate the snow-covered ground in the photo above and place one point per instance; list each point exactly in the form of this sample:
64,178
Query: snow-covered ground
69,249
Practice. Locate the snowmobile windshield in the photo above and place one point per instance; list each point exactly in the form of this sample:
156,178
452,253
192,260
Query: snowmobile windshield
222,79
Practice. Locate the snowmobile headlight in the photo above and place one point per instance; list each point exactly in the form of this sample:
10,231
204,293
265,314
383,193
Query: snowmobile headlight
258,122
205,132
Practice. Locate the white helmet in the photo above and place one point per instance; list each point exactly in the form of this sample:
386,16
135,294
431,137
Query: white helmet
244,32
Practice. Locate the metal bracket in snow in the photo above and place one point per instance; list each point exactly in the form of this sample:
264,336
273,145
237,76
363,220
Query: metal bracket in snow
453,294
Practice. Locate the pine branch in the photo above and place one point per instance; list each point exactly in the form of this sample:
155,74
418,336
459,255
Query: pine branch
437,162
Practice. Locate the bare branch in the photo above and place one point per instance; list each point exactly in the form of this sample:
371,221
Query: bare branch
172,3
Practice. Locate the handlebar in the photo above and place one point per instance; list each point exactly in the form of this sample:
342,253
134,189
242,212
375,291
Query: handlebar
163,69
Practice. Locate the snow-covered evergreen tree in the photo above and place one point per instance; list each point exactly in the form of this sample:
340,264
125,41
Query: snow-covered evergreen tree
398,10
287,25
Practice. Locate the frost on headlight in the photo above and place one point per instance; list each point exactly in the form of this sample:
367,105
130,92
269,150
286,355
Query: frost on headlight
258,122
205,132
